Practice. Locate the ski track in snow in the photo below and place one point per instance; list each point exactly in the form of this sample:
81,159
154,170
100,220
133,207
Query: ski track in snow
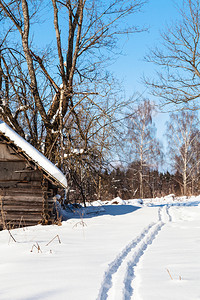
167,211
130,274
114,266
121,271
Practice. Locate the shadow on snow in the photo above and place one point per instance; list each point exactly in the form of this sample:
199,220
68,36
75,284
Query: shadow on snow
94,211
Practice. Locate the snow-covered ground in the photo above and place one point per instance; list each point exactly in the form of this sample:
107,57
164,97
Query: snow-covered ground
120,250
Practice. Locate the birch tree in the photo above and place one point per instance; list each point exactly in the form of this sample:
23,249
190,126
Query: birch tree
144,147
183,135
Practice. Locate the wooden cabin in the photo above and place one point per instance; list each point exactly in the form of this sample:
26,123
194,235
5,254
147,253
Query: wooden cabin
28,182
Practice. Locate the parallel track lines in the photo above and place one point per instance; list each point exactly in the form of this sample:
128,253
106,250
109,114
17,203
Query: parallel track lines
118,278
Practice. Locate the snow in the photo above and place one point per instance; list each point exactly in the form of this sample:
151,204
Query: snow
34,154
113,250
74,152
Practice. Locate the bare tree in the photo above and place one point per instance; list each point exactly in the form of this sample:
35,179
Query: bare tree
144,147
42,88
87,158
178,58
183,135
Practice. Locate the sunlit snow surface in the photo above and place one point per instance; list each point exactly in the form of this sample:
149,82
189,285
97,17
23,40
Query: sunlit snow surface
34,154
109,250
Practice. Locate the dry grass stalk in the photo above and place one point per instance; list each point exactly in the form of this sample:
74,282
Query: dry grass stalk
22,223
82,223
12,237
57,236
2,214
37,246
169,274
5,226
180,278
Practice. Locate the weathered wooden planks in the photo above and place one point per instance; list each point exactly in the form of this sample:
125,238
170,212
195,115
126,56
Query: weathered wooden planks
7,154
18,171
26,195
23,192
21,198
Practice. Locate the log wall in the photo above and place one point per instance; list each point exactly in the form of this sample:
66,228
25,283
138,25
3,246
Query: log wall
25,197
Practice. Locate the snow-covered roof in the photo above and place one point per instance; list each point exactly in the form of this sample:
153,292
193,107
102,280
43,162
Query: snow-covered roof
33,154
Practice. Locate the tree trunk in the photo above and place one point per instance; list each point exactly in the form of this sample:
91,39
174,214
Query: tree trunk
141,184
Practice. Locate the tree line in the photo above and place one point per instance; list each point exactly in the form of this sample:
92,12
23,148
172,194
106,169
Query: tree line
146,171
